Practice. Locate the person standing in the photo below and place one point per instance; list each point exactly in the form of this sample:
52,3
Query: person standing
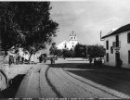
90,60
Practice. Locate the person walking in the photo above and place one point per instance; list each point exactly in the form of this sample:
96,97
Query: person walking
90,60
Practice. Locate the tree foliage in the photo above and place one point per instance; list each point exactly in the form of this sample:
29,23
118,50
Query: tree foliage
96,51
89,50
53,49
80,50
68,53
26,24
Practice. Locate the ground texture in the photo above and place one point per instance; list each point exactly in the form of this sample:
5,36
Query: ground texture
69,78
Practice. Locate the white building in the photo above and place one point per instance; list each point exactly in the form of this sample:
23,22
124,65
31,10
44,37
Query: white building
69,44
117,46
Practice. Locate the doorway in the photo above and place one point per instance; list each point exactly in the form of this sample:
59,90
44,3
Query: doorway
117,59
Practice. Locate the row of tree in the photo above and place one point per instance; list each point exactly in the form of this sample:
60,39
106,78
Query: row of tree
80,50
26,24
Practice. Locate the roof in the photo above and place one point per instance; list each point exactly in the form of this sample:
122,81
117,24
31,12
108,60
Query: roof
118,31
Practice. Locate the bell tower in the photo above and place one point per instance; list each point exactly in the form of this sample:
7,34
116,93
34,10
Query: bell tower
73,39
72,36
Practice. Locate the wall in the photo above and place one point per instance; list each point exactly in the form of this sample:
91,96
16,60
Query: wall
111,62
124,47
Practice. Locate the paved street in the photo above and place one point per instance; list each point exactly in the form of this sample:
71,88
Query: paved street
55,81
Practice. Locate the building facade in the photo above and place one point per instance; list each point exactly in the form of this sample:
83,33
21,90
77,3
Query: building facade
117,46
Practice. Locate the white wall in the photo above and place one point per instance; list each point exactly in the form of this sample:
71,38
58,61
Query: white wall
125,47
111,62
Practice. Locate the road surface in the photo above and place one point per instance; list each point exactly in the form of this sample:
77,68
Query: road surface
43,81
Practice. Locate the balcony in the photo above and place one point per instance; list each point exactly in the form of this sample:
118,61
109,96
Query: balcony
116,44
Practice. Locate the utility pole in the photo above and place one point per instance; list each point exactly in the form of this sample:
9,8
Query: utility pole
101,36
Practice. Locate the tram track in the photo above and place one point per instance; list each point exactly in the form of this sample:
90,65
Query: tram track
51,84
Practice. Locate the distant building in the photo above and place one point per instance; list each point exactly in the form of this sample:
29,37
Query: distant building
69,44
117,45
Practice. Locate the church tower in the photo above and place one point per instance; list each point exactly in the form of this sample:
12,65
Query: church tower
72,36
69,44
73,39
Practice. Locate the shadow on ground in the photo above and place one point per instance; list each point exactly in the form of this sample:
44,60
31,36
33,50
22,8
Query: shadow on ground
11,91
115,78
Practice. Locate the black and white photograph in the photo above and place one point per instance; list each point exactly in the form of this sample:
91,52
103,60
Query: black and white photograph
68,49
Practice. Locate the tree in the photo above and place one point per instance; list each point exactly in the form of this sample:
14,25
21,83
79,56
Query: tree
80,50
26,24
59,53
67,53
53,49
96,51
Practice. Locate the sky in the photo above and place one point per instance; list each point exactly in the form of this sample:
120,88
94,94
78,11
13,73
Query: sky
88,17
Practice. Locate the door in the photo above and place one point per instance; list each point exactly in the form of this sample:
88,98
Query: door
117,59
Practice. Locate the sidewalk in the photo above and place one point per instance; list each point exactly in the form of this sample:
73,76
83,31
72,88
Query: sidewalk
14,70
15,73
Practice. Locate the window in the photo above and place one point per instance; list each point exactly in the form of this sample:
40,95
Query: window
117,40
129,56
107,44
128,37
114,44
107,57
